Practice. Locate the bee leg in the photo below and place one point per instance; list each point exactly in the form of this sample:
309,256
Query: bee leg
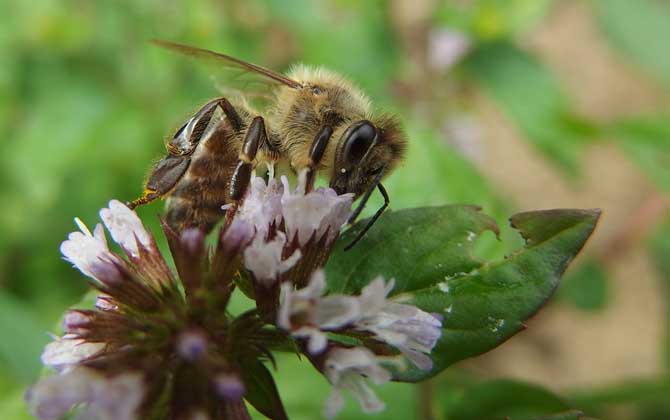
163,177
316,152
376,183
231,113
255,136
147,197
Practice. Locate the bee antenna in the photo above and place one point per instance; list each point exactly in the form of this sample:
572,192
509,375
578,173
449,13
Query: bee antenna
376,184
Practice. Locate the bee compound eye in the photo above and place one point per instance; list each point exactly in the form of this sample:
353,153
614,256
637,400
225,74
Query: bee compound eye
361,137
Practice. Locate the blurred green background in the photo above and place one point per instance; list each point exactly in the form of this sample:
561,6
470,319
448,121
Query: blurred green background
509,104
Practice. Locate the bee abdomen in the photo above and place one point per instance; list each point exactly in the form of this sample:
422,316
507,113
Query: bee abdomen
197,199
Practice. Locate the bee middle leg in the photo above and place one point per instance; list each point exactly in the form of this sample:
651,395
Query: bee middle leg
241,177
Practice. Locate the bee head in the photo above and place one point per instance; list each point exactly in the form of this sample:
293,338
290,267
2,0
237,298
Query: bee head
365,150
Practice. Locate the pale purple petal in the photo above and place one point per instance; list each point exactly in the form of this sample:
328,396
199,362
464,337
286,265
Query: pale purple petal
124,226
336,311
314,312
262,206
264,259
87,251
412,331
446,47
68,350
349,368
118,397
53,396
315,213
115,398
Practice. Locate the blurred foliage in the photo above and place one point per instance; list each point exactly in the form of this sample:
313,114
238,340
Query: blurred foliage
586,286
85,104
499,400
533,99
640,30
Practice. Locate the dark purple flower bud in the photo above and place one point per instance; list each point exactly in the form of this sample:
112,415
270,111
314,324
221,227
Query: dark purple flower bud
192,345
75,322
107,273
192,240
105,303
229,386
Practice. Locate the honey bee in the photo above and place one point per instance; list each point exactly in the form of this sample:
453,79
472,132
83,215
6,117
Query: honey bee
316,121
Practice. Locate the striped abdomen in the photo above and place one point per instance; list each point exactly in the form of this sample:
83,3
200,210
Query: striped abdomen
198,196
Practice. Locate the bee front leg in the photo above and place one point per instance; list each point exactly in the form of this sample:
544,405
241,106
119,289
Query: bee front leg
255,136
316,153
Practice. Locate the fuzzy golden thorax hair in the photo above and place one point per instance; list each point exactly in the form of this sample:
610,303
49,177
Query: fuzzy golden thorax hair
328,99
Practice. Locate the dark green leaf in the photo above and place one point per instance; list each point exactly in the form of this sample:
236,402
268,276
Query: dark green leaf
586,286
534,100
262,391
639,29
501,399
430,253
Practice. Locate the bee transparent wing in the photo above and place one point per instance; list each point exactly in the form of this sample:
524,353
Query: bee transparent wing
247,78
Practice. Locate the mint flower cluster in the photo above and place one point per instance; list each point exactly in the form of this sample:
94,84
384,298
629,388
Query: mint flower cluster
163,344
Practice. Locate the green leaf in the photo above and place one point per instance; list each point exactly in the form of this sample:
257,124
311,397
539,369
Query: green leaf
262,391
567,415
429,251
501,399
659,250
640,30
647,141
534,100
586,286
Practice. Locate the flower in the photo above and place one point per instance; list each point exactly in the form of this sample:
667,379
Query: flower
350,368
117,397
319,213
307,314
405,327
265,258
262,207
164,345
147,343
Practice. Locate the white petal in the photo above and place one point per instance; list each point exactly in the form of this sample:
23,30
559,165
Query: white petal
317,342
67,351
84,250
53,396
124,226
262,206
264,258
285,306
336,311
315,288
420,360
366,397
333,404
373,296
118,397
349,368
314,213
